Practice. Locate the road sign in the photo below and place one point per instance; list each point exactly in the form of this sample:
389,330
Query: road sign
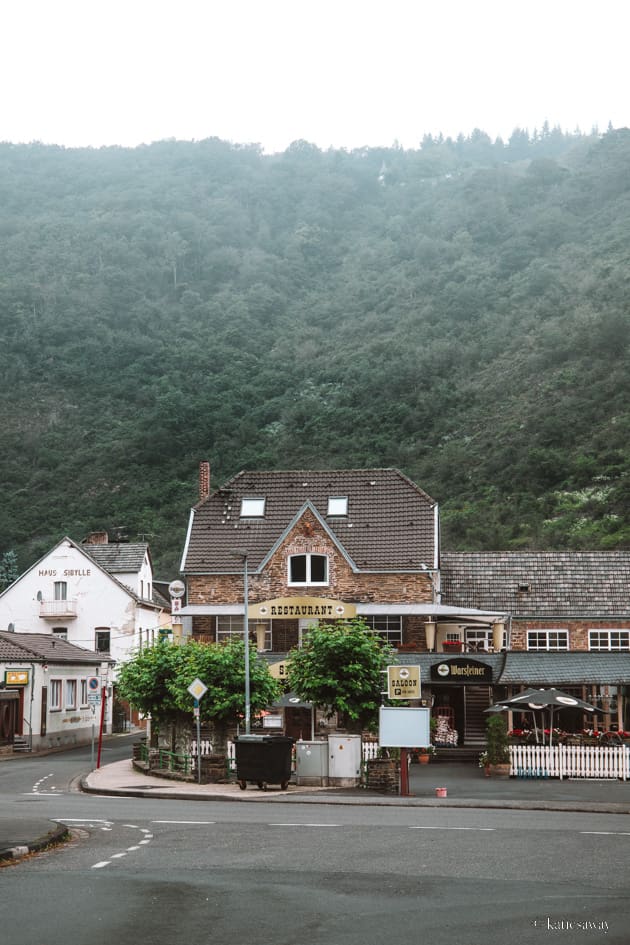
403,682
94,684
197,689
94,698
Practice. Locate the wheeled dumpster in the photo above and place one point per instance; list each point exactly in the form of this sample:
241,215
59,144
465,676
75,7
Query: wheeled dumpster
263,760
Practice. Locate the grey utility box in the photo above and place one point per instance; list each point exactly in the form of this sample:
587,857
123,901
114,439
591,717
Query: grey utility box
344,760
311,763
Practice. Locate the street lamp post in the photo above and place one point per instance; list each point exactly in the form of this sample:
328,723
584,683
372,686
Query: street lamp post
243,555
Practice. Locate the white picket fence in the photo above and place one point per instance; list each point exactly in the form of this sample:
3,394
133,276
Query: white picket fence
570,761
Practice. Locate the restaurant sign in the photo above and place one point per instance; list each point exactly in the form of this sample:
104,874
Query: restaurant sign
302,607
463,671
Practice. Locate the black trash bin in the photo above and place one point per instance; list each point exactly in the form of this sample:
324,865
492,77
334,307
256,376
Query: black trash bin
263,759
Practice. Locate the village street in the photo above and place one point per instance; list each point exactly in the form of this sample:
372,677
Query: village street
152,871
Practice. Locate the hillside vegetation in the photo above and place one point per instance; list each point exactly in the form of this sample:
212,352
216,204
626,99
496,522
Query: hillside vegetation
459,311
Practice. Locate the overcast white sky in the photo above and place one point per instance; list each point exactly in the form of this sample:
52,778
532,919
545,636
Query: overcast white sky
342,73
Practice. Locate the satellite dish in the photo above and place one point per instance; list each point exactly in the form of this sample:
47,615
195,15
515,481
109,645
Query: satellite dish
177,588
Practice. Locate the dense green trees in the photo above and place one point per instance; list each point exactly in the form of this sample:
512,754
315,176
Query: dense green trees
459,311
156,680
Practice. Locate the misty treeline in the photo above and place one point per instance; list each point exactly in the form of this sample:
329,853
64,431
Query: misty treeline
459,310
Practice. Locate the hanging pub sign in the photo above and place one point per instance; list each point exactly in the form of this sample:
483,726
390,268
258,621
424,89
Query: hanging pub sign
461,670
16,677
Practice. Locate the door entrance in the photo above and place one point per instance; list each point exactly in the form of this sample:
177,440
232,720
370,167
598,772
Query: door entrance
297,723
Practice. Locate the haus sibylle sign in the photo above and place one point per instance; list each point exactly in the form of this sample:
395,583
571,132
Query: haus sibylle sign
462,671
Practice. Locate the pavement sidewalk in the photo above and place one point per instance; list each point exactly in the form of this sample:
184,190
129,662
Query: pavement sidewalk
466,787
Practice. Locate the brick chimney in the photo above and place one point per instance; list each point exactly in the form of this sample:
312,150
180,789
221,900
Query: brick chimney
97,538
204,480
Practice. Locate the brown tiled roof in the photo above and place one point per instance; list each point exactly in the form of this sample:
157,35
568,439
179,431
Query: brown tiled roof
389,525
43,646
539,583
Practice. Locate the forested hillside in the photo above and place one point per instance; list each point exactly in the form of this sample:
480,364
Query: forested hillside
459,311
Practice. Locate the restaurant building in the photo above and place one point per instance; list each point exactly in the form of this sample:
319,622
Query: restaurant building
322,545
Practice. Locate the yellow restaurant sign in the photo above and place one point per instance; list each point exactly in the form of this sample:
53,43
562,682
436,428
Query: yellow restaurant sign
302,607
16,677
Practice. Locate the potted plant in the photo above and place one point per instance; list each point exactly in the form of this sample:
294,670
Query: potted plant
423,755
497,747
484,763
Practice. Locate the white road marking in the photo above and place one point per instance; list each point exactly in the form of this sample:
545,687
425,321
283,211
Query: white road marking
416,827
130,849
183,821
606,833
304,825
117,856
99,866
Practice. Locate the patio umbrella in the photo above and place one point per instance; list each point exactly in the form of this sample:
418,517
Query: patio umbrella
534,700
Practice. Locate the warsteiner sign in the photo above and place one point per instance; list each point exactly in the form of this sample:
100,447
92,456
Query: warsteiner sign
403,682
466,672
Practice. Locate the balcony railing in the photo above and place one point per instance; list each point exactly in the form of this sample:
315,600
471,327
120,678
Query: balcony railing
56,609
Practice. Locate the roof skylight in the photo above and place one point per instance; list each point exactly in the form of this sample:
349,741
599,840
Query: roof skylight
252,507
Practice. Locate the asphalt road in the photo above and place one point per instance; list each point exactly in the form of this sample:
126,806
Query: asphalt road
151,872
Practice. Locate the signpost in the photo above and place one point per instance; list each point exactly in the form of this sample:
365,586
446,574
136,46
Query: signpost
198,689
403,728
94,699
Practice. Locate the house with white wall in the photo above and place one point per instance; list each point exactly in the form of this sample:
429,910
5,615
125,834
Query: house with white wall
96,595
51,692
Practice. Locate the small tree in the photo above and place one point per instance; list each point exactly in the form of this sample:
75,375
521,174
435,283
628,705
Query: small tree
156,680
340,669
497,741
8,569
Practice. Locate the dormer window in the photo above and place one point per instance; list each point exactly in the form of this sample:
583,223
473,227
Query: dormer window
308,569
338,505
252,507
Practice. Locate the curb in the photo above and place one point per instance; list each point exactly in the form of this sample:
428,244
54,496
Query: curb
57,835
585,807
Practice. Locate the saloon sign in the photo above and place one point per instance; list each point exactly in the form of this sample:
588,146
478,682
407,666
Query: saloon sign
403,682
462,671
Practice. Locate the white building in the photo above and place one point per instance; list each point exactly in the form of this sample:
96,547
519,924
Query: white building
51,694
96,595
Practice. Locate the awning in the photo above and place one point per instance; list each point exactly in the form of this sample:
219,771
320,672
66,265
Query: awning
565,669
436,611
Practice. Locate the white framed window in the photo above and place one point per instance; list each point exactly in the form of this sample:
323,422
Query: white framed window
478,640
55,695
548,640
102,638
61,633
338,505
609,640
308,569
252,507
388,627
84,693
230,627
71,693
61,590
